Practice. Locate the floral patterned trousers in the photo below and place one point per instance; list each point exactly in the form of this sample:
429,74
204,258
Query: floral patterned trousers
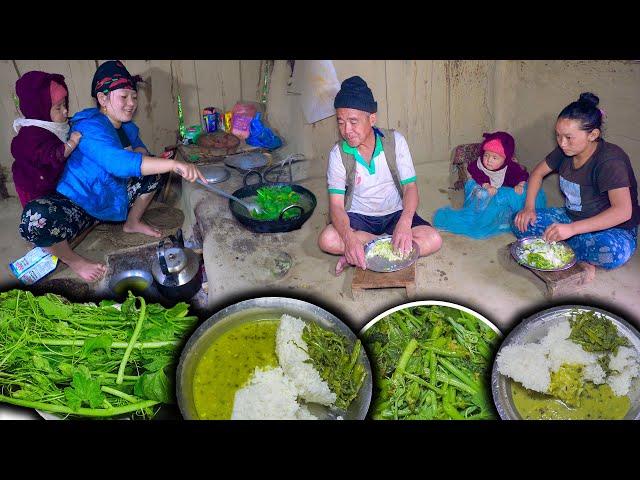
54,218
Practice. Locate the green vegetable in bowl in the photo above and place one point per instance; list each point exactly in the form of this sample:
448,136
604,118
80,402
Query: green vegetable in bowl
540,254
272,200
431,362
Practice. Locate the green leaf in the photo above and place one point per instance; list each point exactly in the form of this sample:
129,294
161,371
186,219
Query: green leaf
178,310
158,363
157,333
52,307
155,386
41,363
84,389
100,342
67,369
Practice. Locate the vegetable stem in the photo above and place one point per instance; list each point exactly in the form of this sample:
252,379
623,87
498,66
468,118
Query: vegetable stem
134,337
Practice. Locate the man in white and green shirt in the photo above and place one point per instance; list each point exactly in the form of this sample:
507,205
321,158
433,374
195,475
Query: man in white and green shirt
372,184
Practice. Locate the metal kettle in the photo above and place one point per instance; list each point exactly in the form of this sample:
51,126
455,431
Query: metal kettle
177,269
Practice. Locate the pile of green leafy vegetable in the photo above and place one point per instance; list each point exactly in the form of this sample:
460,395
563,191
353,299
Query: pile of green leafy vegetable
595,332
89,360
431,362
339,367
272,200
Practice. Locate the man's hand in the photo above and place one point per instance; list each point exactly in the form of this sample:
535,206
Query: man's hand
524,218
558,231
354,251
402,239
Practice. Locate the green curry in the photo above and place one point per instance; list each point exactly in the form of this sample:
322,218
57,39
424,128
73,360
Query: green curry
597,402
228,363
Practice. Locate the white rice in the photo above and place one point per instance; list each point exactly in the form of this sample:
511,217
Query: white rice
627,366
532,364
292,354
269,395
526,364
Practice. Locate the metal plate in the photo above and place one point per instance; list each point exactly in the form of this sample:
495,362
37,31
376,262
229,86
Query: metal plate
536,327
247,161
266,308
215,173
519,254
379,264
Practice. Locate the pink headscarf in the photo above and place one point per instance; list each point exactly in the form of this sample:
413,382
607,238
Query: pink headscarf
57,91
499,142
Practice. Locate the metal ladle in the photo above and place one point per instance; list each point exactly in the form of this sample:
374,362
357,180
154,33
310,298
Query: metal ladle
249,206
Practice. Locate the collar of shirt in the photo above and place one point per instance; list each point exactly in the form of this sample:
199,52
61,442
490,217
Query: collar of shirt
371,166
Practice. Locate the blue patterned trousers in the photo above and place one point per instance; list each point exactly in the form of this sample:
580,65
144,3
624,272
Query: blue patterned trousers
610,248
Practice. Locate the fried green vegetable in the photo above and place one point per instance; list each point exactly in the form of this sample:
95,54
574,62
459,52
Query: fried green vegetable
339,367
595,332
86,359
431,362
272,200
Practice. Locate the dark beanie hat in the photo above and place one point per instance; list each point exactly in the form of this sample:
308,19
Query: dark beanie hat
112,75
354,93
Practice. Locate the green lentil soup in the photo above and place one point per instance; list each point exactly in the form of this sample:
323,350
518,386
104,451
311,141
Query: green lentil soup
597,402
228,363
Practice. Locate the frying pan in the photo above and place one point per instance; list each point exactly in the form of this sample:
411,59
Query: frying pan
305,205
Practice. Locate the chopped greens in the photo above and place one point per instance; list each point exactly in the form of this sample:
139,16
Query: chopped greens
541,254
384,249
86,359
330,356
595,333
431,362
272,200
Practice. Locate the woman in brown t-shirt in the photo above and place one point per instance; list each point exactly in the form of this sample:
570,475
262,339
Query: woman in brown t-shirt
601,214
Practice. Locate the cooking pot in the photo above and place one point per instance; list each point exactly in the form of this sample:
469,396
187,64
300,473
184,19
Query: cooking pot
176,270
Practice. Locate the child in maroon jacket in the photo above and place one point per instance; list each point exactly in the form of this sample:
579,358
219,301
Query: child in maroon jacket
43,144
496,167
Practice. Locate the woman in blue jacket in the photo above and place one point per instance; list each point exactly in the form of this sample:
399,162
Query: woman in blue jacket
110,176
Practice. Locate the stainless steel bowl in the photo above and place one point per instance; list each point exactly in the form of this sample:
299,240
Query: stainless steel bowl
380,264
518,253
264,308
136,280
533,329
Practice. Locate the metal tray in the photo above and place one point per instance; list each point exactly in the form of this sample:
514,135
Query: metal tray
379,264
247,161
533,329
518,253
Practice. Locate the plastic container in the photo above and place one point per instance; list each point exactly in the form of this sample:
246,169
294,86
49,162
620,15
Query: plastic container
242,113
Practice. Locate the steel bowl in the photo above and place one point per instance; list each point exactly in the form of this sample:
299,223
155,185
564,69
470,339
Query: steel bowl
379,264
136,280
264,308
533,329
517,252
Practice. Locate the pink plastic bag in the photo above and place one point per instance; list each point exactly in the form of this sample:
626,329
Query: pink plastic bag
243,113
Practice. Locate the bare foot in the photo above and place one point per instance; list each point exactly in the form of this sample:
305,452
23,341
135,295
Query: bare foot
141,227
590,272
87,270
340,266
